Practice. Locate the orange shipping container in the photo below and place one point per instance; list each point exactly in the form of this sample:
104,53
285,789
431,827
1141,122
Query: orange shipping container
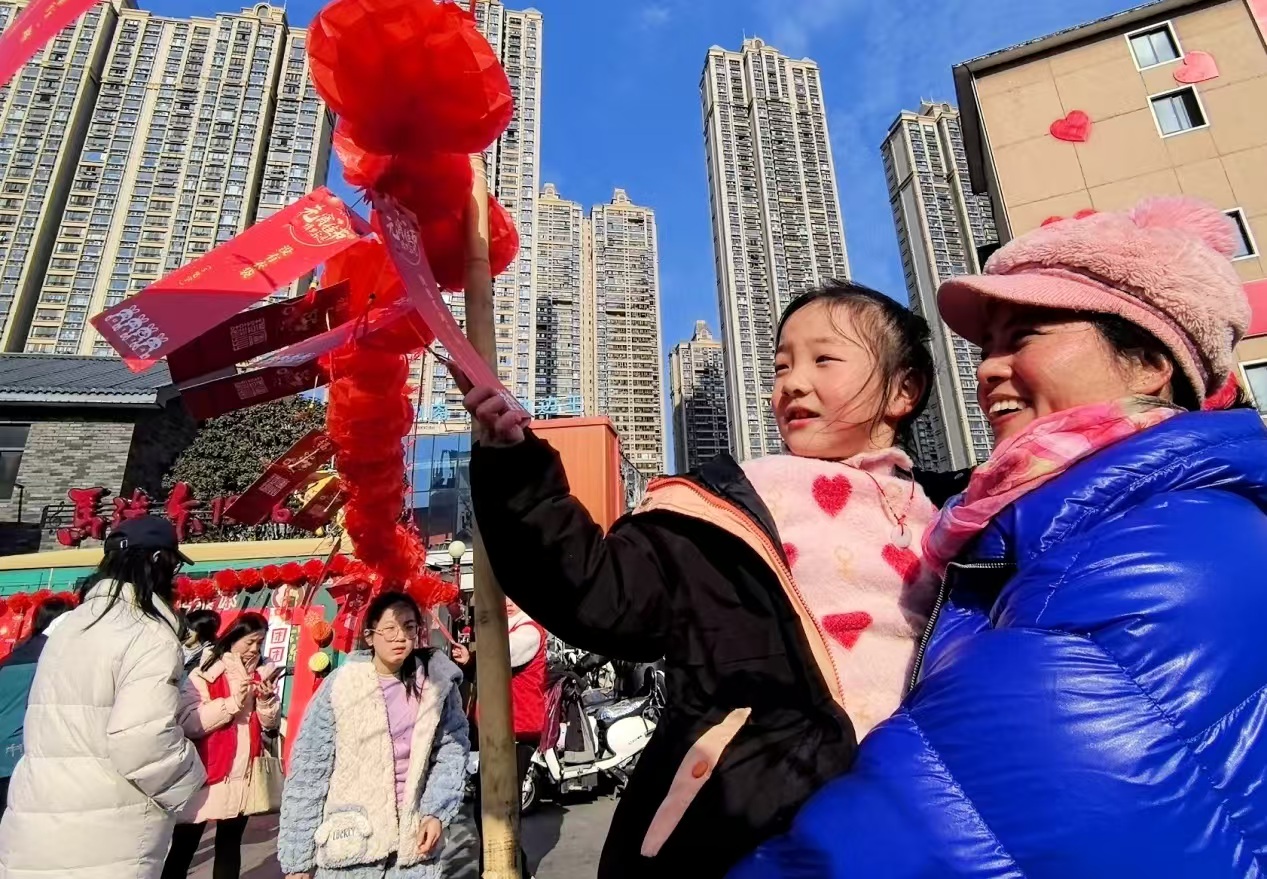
590,451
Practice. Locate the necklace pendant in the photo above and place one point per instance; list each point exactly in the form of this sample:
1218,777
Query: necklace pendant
901,536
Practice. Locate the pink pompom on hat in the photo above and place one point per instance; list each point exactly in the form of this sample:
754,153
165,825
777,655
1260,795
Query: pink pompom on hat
1164,266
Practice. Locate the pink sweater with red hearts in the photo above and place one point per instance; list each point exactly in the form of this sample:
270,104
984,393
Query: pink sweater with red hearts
869,595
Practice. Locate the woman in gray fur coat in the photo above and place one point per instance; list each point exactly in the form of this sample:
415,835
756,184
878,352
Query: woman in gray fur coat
378,771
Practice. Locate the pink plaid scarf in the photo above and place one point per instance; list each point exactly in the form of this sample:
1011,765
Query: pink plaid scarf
1045,449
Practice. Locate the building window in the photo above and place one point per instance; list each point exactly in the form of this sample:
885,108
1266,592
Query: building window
12,444
1154,46
1256,379
1245,246
1178,111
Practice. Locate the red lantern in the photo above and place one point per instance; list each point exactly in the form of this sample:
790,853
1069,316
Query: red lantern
4,606
251,579
19,604
40,597
292,573
227,582
69,597
313,569
272,575
204,590
339,565
408,76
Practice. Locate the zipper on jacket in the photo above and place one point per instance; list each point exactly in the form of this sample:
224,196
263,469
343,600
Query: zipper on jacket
943,592
778,556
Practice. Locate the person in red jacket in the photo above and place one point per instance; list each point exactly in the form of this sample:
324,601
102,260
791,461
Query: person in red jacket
527,692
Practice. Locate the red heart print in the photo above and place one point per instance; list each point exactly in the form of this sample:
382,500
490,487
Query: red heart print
1074,128
904,561
791,552
847,628
832,494
1197,67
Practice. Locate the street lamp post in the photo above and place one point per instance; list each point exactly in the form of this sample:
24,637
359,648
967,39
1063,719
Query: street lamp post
457,549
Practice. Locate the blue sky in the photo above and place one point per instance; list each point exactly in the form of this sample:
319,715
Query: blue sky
622,109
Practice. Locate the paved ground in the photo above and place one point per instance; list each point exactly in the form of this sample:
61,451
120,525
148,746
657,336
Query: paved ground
562,842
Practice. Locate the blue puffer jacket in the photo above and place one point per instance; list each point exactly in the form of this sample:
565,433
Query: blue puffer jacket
1101,714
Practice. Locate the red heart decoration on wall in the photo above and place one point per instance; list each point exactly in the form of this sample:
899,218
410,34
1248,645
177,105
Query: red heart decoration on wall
1074,128
847,628
832,494
904,561
791,552
1197,67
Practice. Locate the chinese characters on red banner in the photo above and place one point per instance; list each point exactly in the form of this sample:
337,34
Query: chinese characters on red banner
282,477
212,289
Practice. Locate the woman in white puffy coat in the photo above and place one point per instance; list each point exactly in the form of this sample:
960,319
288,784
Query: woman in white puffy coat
106,766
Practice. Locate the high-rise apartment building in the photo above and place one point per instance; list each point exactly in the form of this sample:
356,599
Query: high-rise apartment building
44,114
697,393
514,177
629,362
777,226
190,119
940,224
565,309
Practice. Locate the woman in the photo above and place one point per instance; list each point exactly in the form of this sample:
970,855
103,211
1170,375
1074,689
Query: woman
379,769
201,628
225,706
106,768
1091,699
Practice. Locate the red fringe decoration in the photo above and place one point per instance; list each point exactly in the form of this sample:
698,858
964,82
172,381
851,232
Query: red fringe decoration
227,582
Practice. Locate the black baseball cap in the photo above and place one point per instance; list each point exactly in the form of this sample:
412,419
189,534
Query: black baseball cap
147,532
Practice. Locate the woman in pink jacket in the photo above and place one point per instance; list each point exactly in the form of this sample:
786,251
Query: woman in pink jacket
226,704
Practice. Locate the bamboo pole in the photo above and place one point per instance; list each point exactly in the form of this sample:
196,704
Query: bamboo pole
499,786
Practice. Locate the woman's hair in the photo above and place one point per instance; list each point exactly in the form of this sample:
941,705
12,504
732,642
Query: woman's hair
203,625
245,625
408,672
47,612
894,335
150,571
1136,343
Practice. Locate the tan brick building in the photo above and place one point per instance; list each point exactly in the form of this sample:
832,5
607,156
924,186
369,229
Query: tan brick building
1160,124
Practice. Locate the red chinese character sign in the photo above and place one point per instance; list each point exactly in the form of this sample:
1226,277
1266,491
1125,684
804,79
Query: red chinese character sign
33,28
209,291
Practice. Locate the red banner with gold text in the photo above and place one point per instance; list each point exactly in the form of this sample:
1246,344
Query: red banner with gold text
210,290
225,395
31,30
260,331
281,478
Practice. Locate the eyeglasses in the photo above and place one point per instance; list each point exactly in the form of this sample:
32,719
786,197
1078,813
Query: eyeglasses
392,633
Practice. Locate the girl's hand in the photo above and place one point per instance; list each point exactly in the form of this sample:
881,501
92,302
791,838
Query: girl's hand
461,655
298,876
497,424
429,836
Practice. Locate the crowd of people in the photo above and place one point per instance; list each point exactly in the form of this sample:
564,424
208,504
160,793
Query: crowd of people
1047,667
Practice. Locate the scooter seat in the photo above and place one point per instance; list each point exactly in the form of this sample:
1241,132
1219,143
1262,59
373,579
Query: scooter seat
609,714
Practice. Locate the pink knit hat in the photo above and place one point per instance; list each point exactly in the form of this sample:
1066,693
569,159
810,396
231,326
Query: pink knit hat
1164,266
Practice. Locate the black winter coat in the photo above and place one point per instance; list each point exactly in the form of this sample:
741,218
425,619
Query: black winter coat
696,575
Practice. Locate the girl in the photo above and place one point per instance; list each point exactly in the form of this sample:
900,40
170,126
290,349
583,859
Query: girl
786,596
201,628
379,769
106,766
226,704
1091,703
